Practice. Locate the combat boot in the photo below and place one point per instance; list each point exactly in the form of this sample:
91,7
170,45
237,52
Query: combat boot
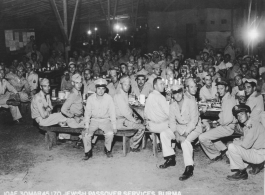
170,161
88,155
187,173
239,175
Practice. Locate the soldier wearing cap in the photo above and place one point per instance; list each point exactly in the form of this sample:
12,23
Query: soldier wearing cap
73,106
227,123
21,85
99,114
140,66
156,73
253,99
41,107
142,86
239,85
124,114
148,63
114,85
131,74
249,149
184,122
8,92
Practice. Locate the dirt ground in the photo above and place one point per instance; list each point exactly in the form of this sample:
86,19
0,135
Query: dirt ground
26,165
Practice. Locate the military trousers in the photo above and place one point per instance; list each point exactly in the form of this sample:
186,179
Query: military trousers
95,124
13,109
238,156
124,124
213,149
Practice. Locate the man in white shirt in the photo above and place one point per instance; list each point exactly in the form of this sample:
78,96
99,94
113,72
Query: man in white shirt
209,90
157,118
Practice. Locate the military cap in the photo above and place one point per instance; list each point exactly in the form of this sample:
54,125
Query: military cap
101,82
141,73
155,52
240,108
20,67
44,81
77,78
71,63
246,56
206,51
250,81
222,81
66,72
176,88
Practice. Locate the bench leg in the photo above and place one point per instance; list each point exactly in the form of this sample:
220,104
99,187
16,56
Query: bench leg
52,136
144,141
48,141
154,145
126,145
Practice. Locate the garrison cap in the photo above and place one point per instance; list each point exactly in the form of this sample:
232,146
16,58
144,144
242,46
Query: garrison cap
101,83
250,81
176,88
44,81
240,108
124,79
77,78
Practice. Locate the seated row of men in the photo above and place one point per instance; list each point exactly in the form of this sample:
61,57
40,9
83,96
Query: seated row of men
179,121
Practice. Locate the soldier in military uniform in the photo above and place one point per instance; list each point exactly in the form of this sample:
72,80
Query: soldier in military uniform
249,149
73,106
185,123
114,85
156,73
21,85
8,92
215,150
124,114
254,99
99,114
32,79
41,107
142,86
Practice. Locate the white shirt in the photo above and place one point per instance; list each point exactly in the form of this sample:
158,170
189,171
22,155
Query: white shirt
208,94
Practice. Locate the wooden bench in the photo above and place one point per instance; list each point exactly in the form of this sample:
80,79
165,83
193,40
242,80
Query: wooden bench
50,135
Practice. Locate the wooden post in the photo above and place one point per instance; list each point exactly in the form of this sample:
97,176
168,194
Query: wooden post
59,20
115,11
136,14
109,27
65,29
73,21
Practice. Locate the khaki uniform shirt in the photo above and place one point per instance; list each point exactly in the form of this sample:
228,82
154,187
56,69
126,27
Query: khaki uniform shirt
146,90
151,79
226,117
256,104
185,119
20,84
73,106
5,85
122,108
89,86
156,108
32,79
112,89
208,94
98,109
253,136
39,104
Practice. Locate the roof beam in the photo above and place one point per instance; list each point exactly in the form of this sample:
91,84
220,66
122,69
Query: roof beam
73,21
59,20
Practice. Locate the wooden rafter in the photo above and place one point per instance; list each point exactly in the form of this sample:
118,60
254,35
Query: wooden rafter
73,21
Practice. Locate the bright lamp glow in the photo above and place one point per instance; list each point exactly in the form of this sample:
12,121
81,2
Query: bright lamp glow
253,34
96,28
125,28
89,32
117,27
